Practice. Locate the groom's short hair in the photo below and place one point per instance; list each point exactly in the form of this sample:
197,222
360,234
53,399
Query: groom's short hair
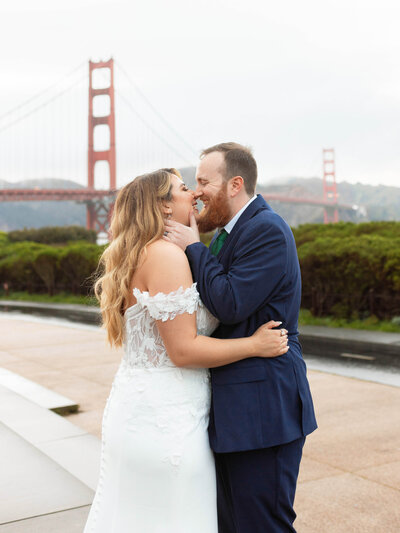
239,161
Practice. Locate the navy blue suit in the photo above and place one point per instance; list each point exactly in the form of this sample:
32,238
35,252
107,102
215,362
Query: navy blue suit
261,407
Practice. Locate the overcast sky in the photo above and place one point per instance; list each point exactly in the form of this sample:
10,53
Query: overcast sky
287,78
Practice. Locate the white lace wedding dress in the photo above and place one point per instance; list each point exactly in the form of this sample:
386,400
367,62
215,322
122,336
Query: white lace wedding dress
157,470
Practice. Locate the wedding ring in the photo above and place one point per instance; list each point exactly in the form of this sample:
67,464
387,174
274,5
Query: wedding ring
282,333
165,233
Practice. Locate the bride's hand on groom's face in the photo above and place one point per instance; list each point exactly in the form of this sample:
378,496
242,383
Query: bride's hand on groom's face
180,234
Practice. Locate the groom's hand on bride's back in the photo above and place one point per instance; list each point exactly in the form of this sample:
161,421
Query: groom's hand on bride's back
270,342
180,234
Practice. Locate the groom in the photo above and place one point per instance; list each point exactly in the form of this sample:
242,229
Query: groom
261,408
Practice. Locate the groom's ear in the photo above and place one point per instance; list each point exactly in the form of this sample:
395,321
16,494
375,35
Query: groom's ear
235,185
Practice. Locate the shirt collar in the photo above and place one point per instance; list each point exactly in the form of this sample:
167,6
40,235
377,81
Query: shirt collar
229,227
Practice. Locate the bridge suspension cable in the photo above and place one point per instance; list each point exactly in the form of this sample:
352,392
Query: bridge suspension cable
156,112
41,106
153,130
142,149
42,92
45,136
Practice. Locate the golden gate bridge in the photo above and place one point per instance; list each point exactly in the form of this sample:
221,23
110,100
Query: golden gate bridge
99,201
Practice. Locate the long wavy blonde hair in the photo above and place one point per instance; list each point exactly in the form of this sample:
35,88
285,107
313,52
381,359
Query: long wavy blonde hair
136,222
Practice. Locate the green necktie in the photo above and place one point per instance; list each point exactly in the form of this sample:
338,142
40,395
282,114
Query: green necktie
219,242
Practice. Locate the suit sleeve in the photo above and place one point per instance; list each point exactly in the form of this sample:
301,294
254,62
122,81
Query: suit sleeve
255,274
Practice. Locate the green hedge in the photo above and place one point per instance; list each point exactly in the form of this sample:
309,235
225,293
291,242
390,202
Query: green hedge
343,230
53,235
41,268
348,270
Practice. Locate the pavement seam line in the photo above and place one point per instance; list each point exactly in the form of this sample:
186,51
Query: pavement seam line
45,514
377,482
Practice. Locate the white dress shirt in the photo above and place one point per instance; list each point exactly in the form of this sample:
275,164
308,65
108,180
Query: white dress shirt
229,227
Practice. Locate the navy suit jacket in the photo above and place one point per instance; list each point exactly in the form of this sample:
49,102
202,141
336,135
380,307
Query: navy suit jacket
257,402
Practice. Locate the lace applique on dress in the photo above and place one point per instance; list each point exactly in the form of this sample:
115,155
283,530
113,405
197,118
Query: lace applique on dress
144,347
167,306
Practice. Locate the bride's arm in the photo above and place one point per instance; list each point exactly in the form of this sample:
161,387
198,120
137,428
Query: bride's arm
166,268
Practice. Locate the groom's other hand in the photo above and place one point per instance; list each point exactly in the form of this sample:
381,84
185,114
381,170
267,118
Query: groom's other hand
180,234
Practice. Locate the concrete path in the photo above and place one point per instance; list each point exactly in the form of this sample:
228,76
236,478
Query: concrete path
350,473
31,484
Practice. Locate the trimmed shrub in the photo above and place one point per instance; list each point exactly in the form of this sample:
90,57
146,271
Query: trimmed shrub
343,230
3,238
16,266
77,264
34,267
348,270
53,235
45,264
351,277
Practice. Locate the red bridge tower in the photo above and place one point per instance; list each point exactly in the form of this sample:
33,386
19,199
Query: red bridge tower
331,214
99,210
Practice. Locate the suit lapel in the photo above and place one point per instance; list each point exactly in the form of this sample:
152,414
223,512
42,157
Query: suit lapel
255,206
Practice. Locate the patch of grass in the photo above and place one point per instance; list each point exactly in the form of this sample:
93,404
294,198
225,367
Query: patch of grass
59,298
371,323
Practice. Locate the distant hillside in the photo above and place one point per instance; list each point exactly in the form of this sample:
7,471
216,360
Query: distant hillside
381,203
20,215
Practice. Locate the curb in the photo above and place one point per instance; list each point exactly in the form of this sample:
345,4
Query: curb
380,347
72,312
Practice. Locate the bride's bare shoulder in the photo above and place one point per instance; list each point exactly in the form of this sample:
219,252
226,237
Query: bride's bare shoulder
165,251
166,267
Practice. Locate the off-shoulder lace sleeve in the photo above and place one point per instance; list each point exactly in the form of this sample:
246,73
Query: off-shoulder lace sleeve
168,306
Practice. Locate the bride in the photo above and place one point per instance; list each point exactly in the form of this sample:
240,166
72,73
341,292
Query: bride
157,470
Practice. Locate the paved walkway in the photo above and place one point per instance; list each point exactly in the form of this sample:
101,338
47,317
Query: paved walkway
350,474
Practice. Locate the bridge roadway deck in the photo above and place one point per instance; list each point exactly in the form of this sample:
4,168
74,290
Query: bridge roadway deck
36,195
350,474
86,194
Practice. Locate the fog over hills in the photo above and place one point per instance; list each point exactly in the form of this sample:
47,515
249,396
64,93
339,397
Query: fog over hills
381,202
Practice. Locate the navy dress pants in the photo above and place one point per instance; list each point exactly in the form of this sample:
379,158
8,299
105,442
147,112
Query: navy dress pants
256,489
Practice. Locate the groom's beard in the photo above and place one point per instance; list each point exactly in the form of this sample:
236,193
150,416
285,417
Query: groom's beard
217,213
